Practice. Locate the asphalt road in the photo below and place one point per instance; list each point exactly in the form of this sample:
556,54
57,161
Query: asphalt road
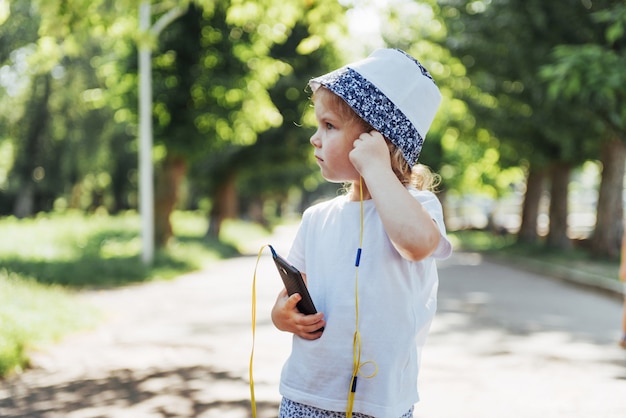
505,343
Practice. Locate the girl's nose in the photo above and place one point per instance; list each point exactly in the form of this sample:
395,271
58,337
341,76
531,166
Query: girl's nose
315,140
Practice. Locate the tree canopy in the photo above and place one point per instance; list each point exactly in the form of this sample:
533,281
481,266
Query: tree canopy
532,90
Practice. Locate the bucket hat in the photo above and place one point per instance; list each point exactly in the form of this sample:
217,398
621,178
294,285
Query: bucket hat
392,92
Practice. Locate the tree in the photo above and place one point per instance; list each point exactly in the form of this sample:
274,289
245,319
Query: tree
594,76
147,203
218,72
260,80
503,44
18,32
55,114
205,64
281,158
466,166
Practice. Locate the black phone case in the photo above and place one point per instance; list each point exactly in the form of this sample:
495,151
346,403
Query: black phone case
294,283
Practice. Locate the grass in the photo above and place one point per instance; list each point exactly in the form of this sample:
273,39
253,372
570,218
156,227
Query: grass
99,251
44,261
32,314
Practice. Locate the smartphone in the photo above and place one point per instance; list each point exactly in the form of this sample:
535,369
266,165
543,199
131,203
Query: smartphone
294,283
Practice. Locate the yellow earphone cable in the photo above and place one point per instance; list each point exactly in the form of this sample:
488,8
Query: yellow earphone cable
252,398
356,341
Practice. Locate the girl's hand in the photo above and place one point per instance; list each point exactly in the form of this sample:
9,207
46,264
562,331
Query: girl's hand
409,226
287,317
370,150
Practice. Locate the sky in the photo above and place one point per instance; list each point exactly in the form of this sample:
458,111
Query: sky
364,26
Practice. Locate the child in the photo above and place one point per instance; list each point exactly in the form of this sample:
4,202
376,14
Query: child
376,311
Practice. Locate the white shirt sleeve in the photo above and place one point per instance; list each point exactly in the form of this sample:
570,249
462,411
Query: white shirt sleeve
431,203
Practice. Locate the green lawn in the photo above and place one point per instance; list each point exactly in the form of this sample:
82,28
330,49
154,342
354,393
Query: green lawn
31,314
44,261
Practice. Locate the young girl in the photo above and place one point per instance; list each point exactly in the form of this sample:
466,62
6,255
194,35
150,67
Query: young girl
369,256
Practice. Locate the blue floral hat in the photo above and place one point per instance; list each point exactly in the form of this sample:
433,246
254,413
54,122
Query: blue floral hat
392,92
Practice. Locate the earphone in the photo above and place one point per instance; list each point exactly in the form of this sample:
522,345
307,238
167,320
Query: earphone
356,341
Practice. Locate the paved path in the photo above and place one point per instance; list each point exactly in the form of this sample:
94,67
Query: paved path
505,343
510,344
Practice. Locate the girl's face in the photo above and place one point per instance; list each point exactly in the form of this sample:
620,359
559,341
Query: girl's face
333,141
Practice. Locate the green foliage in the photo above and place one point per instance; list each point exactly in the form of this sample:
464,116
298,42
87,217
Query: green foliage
201,78
593,75
58,114
469,157
503,45
584,74
281,159
72,117
293,50
476,240
230,94
213,69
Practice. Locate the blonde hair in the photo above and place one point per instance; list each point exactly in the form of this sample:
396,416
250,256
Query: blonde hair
419,176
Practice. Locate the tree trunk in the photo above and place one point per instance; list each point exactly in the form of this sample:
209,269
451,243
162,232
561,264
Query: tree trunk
255,211
530,208
225,205
560,177
24,205
36,118
168,181
607,234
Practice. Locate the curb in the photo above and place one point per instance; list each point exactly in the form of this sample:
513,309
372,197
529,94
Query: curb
582,278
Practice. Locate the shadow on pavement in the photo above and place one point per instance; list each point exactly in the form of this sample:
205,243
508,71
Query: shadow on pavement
185,392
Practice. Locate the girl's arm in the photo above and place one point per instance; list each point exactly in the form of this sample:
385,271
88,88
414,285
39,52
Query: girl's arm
409,226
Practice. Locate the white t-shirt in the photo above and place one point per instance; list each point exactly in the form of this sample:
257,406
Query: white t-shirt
397,302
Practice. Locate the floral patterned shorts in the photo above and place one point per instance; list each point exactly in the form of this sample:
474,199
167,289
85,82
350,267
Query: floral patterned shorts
291,409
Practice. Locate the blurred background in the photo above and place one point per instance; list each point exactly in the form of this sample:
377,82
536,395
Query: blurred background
530,139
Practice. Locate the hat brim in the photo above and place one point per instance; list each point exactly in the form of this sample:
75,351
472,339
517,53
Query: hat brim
374,107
